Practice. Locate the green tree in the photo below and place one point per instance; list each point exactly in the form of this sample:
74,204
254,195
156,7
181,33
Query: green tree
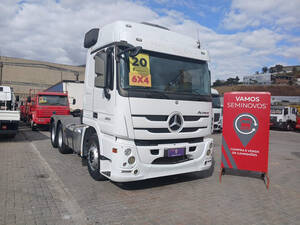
279,68
218,83
264,69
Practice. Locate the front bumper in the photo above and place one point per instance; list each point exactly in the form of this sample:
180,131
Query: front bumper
144,166
280,125
9,127
42,121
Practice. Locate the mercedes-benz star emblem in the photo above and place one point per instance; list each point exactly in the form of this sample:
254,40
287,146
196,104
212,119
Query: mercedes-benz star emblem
175,122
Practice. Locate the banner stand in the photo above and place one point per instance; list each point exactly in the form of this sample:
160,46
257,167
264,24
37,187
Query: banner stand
264,177
245,136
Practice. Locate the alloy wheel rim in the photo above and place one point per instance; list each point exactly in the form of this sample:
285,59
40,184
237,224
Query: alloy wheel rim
93,157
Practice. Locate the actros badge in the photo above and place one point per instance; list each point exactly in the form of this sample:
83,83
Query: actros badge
245,126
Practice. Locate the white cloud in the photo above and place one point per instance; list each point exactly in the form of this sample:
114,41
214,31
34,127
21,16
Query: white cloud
277,13
54,32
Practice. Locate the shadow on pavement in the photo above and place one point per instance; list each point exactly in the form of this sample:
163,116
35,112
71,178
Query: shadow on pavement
168,180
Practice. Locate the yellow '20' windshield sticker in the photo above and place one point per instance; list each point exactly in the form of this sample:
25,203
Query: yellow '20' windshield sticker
139,74
42,100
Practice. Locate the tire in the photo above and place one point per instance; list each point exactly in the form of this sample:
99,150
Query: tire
33,128
288,127
62,148
93,159
53,136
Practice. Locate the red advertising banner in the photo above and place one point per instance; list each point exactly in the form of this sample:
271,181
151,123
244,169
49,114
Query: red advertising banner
245,139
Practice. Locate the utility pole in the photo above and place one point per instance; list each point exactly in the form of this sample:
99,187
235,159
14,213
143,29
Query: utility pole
1,66
76,74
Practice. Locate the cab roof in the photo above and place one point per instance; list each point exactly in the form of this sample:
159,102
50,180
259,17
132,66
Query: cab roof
53,93
149,37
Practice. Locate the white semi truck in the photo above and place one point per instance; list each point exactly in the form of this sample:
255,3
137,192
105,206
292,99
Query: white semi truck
217,110
9,116
283,117
74,90
147,107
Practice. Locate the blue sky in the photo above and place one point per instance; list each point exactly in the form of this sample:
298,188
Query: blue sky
241,36
207,13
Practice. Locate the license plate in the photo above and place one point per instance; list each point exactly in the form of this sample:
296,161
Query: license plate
173,152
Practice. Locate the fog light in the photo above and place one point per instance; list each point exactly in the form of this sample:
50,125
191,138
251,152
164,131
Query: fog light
208,152
135,172
127,151
131,160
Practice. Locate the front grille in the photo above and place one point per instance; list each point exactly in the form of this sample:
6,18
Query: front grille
166,130
170,160
273,118
165,117
216,117
167,141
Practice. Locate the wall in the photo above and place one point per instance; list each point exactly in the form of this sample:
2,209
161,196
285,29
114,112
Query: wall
23,75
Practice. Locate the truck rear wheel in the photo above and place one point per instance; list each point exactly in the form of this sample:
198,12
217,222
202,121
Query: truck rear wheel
62,147
93,158
53,136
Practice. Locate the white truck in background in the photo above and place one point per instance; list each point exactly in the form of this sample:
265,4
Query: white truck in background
75,93
147,107
217,111
283,117
9,116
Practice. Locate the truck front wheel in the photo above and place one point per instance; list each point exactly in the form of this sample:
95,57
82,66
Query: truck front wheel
93,158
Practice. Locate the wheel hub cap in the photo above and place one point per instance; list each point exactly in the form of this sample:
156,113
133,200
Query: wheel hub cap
93,157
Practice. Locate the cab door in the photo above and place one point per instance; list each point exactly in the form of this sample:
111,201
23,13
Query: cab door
103,93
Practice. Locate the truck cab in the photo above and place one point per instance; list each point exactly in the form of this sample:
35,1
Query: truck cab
147,107
43,105
217,110
283,117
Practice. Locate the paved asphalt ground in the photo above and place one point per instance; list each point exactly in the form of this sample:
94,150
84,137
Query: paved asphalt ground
38,185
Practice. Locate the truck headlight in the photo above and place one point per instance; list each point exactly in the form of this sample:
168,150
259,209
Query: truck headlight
131,160
127,151
208,152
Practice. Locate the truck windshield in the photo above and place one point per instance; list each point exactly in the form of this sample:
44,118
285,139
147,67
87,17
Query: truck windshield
52,100
276,111
165,76
216,101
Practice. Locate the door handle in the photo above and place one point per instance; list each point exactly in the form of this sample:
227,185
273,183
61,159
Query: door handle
95,115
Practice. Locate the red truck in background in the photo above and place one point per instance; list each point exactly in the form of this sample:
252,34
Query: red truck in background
39,107
298,122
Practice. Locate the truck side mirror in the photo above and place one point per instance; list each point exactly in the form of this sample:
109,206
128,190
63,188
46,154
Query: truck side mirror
100,69
74,101
17,98
28,99
91,38
286,111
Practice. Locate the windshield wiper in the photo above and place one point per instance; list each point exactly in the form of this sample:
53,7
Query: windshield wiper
157,94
